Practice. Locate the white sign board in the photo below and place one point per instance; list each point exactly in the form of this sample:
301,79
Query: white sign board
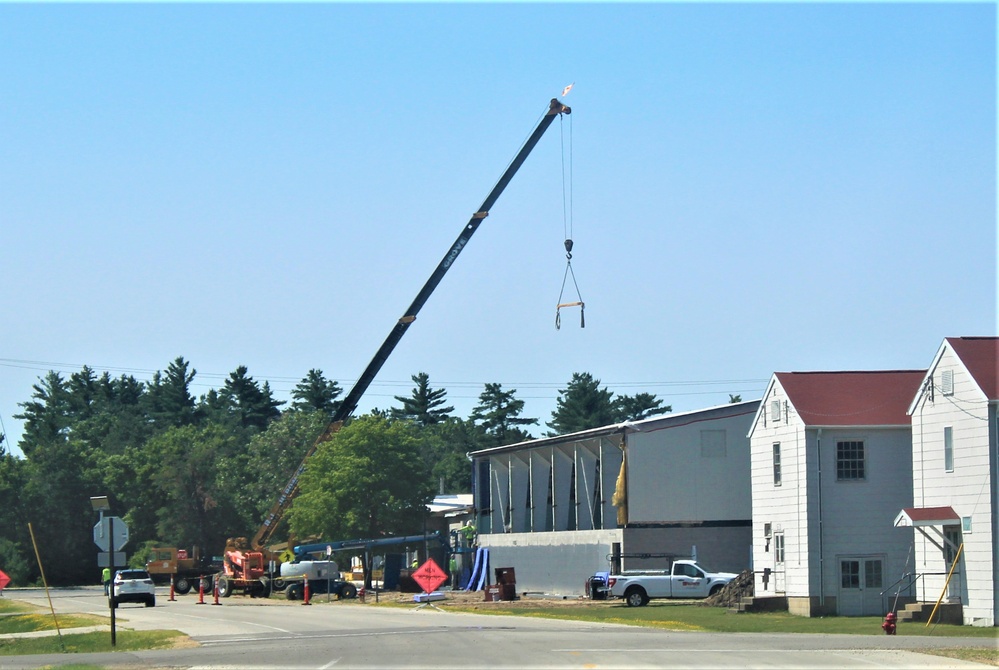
113,526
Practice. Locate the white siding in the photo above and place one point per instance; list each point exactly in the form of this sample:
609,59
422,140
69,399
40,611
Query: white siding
970,488
784,507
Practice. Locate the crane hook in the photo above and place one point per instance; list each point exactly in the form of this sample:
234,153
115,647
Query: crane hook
568,249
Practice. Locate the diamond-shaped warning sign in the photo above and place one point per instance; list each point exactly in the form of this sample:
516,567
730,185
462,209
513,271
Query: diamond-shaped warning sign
429,576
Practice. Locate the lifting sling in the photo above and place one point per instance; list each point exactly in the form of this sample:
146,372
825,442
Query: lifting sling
579,301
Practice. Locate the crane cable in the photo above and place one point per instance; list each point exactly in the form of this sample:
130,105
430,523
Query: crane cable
567,231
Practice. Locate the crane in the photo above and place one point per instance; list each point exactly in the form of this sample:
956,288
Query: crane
353,397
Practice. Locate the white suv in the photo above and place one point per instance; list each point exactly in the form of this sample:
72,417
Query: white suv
133,586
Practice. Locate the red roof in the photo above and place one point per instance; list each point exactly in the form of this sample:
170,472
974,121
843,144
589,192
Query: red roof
872,398
927,516
979,355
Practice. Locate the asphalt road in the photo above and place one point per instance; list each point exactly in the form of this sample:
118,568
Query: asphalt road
248,633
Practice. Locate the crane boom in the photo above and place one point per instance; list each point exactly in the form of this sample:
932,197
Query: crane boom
353,397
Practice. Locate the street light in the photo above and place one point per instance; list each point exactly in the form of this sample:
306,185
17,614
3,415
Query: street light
101,504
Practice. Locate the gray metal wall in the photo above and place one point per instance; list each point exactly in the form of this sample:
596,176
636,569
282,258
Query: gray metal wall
557,563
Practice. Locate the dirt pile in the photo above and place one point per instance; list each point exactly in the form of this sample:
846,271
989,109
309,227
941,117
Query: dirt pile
736,590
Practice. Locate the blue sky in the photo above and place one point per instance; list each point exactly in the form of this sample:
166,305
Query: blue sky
754,188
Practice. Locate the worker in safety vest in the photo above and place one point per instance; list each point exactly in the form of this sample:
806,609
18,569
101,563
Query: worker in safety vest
468,532
453,569
106,578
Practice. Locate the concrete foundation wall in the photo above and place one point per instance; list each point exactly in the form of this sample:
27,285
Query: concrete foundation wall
557,563
810,606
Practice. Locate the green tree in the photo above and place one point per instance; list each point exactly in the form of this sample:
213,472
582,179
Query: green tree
498,413
61,477
168,399
196,476
253,404
638,406
316,393
582,405
280,449
47,415
15,543
424,405
117,418
444,452
368,481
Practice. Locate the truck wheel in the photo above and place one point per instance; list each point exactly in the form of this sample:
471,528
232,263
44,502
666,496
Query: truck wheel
264,590
279,584
293,592
224,586
715,589
636,597
182,586
151,601
347,592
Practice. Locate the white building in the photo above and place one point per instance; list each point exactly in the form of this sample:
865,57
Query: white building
955,443
831,464
548,507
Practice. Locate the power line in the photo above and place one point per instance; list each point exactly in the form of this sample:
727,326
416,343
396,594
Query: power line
458,384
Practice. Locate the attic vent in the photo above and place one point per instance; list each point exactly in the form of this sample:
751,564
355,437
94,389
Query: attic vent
947,382
775,410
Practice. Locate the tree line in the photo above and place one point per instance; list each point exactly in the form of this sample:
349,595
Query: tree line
191,471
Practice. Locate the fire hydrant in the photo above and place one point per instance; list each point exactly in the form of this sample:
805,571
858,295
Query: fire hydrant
889,624
360,594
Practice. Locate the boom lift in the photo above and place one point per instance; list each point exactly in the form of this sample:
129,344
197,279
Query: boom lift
236,548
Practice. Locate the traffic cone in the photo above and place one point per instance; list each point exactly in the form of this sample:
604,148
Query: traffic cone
216,592
201,591
306,601
171,598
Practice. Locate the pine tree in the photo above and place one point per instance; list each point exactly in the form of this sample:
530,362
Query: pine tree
498,413
639,406
168,400
47,415
424,405
316,393
582,405
254,404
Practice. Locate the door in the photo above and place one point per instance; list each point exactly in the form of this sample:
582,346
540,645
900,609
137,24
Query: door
688,581
861,580
952,537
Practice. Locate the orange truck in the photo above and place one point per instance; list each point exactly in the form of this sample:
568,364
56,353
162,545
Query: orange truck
185,568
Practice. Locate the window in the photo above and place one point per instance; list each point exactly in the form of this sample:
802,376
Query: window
872,574
850,460
779,547
776,463
849,572
775,410
948,449
947,382
714,444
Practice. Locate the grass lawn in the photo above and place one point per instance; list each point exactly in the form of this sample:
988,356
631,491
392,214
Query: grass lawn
18,617
674,616
82,643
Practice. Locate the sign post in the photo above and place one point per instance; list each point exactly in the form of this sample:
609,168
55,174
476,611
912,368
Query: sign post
110,536
429,577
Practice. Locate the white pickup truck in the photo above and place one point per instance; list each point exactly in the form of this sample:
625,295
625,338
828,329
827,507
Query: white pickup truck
685,579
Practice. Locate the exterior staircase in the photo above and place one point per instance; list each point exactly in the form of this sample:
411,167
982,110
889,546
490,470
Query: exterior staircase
947,613
754,604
